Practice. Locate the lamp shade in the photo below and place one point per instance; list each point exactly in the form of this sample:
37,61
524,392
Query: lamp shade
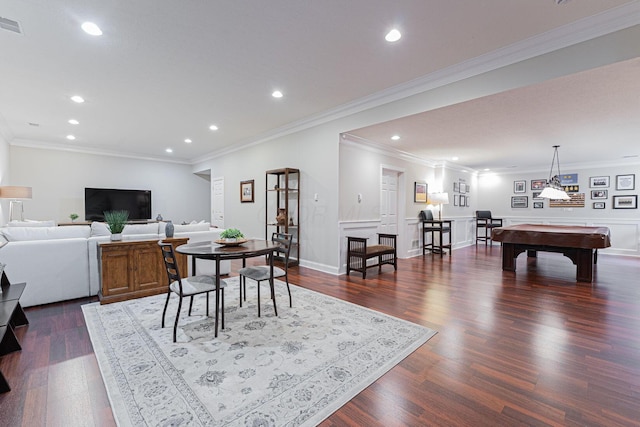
438,199
15,192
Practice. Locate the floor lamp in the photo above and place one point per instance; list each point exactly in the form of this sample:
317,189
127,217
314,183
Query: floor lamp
16,194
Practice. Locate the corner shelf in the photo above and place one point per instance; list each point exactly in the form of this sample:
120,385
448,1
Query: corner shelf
282,191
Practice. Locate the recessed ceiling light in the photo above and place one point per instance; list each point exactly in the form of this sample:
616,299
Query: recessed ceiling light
395,137
213,127
169,150
92,29
393,36
78,99
454,158
71,137
487,169
188,141
74,122
277,94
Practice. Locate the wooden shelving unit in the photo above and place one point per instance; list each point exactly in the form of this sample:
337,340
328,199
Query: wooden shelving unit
283,196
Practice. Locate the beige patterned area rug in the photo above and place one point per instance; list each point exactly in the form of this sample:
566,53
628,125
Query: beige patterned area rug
291,370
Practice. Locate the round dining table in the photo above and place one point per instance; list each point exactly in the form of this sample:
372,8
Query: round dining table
220,251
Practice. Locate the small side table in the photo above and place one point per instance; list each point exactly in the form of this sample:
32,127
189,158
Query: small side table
441,227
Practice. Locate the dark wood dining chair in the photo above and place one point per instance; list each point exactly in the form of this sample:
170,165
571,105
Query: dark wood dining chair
260,273
186,287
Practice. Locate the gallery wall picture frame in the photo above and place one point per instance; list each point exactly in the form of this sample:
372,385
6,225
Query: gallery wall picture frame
519,202
463,201
599,194
598,182
246,191
520,186
456,187
625,182
625,202
538,184
538,205
599,205
536,195
420,192
463,187
455,200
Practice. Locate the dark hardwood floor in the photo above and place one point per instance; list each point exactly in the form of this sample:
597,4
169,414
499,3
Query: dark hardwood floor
531,348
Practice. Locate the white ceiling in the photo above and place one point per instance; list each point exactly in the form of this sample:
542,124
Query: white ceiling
165,70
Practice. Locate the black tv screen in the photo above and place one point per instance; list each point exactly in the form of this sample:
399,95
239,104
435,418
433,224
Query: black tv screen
99,200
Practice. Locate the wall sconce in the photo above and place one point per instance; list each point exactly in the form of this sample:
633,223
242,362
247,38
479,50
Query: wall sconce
16,194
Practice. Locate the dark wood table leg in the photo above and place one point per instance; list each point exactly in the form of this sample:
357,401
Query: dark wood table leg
217,297
508,257
584,262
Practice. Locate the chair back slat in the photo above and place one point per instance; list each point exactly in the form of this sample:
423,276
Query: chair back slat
483,214
285,241
170,263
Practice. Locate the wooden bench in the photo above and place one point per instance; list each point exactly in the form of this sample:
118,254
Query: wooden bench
11,316
358,253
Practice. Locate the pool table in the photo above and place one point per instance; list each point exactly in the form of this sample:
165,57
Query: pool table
579,244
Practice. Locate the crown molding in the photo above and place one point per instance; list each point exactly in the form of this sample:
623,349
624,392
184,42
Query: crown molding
373,147
610,21
93,151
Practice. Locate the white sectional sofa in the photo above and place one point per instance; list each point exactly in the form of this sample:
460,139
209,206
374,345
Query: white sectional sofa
61,263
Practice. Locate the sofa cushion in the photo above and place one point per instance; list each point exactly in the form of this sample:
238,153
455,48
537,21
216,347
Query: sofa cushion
17,234
151,228
32,223
100,229
201,226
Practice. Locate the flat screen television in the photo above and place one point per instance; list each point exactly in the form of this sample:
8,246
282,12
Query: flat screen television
99,200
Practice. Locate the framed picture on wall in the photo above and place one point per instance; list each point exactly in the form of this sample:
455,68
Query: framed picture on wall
599,182
455,200
420,192
520,186
463,187
625,202
538,184
536,196
625,182
246,191
456,187
598,205
599,194
463,201
519,201
538,205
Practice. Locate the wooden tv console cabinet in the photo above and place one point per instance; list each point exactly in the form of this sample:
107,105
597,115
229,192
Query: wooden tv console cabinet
134,268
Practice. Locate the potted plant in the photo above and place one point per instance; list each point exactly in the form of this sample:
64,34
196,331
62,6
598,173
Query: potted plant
231,235
116,220
73,217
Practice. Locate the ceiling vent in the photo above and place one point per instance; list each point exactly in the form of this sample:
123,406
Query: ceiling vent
8,24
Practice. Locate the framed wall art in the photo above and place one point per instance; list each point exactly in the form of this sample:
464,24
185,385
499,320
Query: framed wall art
456,187
538,184
625,202
625,182
598,205
536,195
538,205
463,187
246,191
519,201
420,192
599,182
455,200
520,186
599,194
